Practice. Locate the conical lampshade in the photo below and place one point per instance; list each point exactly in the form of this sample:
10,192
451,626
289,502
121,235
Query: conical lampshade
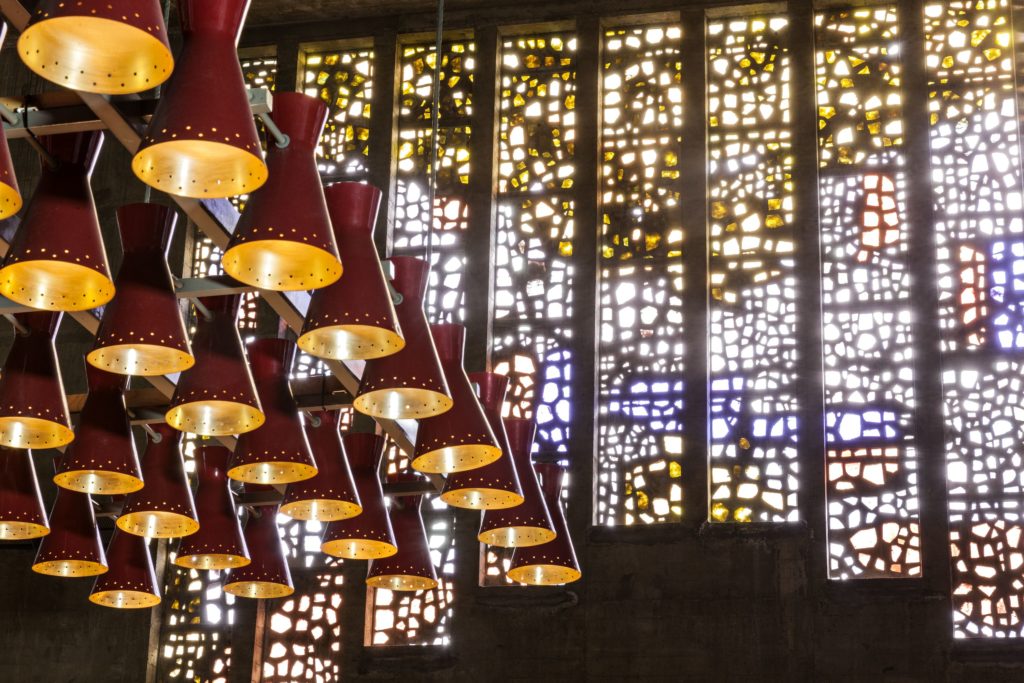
10,197
202,141
277,453
554,562
330,495
369,535
131,581
216,397
73,546
411,568
164,507
114,47
22,515
219,543
267,576
284,240
354,318
103,459
459,439
33,409
409,384
142,332
57,261
527,524
494,486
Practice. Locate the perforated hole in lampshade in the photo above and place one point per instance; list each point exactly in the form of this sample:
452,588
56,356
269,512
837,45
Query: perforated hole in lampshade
283,240
411,568
131,581
219,543
496,485
73,547
33,409
65,269
354,318
141,331
408,384
554,562
459,439
202,140
527,524
164,507
103,459
114,47
278,452
22,515
216,397
331,495
268,575
368,535
10,197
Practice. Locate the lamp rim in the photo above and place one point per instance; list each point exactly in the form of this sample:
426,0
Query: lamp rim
378,403
283,256
10,198
171,524
517,536
473,456
321,509
378,342
402,582
108,599
59,568
86,481
543,574
36,271
358,548
170,153
482,498
153,359
36,425
288,472
258,589
177,416
212,561
29,531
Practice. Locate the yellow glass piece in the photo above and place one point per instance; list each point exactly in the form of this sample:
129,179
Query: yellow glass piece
272,472
517,536
33,432
480,498
21,531
402,403
719,512
69,568
200,169
675,470
157,524
321,510
351,342
358,549
55,285
402,582
258,589
125,599
544,574
214,418
209,561
95,55
10,201
145,360
456,458
744,443
281,265
100,482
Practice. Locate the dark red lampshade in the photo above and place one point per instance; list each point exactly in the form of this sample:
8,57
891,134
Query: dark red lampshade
202,141
10,197
267,576
283,240
354,318
554,562
57,261
142,332
131,581
459,439
409,384
527,524
219,543
22,515
164,507
216,397
103,459
494,486
330,495
73,547
411,568
369,535
114,47
33,410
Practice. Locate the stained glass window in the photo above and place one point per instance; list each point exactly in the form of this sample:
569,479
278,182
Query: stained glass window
343,79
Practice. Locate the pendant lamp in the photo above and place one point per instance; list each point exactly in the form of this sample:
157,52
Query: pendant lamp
554,562
131,581
527,524
22,515
411,568
283,240
103,459
354,318
142,332
277,453
330,495
10,197
267,576
114,47
494,486
164,507
33,410
202,141
459,439
57,261
219,543
409,384
216,397
73,547
369,535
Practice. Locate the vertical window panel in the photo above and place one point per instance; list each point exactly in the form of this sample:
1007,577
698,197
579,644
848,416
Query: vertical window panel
343,79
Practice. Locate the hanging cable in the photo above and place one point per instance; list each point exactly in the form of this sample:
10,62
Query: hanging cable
435,116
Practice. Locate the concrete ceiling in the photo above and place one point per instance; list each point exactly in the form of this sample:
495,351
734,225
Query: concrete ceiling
263,12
